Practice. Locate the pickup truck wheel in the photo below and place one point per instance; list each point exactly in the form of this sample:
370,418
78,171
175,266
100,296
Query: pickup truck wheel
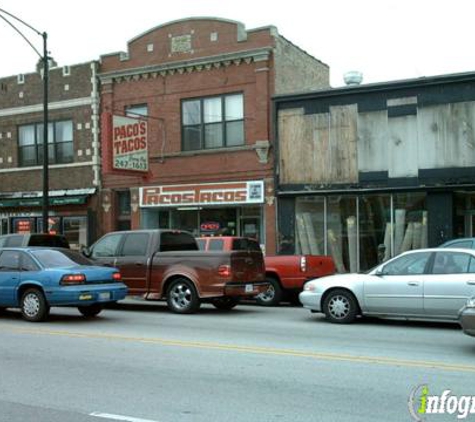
340,306
182,297
272,296
34,307
90,311
225,303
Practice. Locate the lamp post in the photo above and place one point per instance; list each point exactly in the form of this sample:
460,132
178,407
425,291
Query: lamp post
44,59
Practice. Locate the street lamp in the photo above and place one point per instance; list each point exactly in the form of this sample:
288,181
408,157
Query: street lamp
44,58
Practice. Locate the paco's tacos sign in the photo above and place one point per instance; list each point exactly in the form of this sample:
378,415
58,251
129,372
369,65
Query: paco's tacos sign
129,144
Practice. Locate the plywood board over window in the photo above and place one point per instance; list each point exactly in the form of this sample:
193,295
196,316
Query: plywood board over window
318,148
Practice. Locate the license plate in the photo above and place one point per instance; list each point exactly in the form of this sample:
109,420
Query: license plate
249,288
104,295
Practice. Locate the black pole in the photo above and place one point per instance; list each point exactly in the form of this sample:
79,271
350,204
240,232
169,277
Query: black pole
45,136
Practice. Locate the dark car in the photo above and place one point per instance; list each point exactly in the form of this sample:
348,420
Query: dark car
33,239
467,317
464,242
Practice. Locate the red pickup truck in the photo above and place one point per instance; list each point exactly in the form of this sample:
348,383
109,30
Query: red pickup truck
167,264
286,274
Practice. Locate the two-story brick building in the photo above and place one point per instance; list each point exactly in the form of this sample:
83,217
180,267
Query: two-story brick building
389,164
74,170
204,88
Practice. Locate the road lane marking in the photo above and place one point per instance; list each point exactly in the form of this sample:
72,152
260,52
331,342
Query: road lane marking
119,417
253,349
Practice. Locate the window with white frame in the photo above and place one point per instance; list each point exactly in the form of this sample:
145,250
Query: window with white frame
213,122
60,143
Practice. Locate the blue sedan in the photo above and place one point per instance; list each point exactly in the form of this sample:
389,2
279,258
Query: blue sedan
34,279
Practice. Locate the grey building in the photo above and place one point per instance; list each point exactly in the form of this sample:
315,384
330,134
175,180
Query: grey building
365,172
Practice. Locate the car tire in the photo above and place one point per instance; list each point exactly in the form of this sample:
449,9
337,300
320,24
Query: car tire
225,303
90,311
34,307
340,306
182,297
273,295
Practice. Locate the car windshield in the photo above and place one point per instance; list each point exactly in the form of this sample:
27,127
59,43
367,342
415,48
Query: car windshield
50,258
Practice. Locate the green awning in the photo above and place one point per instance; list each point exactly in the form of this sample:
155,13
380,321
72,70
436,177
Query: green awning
38,202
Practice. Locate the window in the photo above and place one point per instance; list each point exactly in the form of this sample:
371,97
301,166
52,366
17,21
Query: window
75,231
10,261
216,245
136,110
27,264
246,245
177,241
450,263
51,258
214,122
123,203
135,244
414,263
14,241
107,247
60,143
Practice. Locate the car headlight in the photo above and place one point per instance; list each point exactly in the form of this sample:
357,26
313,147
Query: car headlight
470,303
309,287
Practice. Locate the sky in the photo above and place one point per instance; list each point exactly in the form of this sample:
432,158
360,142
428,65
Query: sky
386,40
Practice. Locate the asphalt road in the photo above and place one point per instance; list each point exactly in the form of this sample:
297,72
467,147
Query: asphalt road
140,362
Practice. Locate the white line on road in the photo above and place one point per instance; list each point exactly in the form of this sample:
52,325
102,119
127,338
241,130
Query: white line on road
119,417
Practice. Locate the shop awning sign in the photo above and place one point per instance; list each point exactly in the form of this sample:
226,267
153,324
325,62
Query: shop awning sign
129,144
232,193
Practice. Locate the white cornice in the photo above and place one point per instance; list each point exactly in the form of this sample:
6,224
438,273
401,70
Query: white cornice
35,108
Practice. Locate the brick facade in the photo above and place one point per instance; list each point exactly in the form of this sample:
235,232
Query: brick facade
199,58
73,97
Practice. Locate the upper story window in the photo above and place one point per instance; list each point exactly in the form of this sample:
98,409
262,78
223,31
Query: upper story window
214,122
60,143
136,110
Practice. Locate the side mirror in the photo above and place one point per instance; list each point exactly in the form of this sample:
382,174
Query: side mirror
87,252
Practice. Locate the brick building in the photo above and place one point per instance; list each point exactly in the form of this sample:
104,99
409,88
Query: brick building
74,174
204,87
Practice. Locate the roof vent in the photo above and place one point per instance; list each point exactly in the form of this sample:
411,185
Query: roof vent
353,77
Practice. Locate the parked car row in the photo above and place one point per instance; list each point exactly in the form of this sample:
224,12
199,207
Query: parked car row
428,284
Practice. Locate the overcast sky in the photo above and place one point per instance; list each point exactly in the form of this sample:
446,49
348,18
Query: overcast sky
384,39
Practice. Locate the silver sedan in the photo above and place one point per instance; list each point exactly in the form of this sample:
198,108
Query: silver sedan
421,284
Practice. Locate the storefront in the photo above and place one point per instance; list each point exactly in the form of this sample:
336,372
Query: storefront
360,229
69,215
212,209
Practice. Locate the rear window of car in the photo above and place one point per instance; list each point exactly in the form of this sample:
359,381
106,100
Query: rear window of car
177,241
48,240
53,258
246,245
216,245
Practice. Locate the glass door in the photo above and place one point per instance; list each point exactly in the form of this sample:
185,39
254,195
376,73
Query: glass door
4,226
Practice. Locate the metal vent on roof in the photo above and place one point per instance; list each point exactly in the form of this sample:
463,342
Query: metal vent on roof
353,77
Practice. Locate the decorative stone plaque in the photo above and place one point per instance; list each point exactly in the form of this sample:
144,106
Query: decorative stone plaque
181,44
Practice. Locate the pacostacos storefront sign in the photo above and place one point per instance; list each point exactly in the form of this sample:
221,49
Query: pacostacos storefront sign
129,144
232,193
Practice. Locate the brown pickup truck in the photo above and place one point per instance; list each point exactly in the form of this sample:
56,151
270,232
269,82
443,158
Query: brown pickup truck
286,274
167,264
